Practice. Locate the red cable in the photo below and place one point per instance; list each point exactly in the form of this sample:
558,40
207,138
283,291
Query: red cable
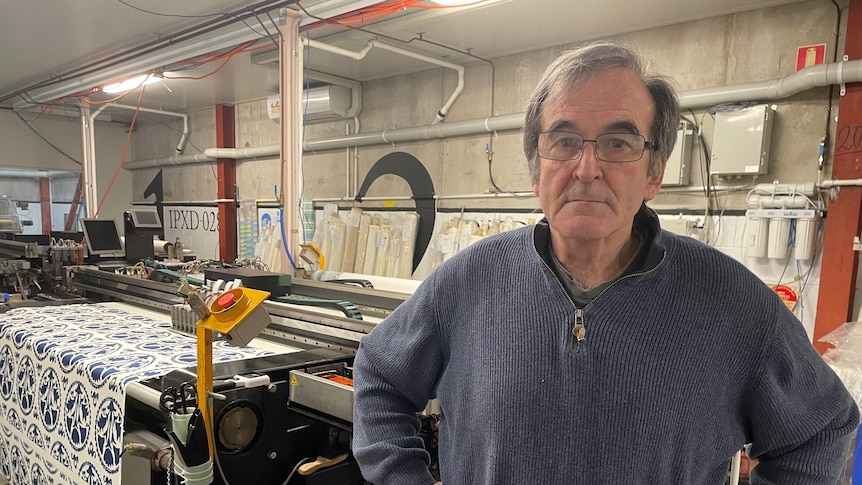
125,151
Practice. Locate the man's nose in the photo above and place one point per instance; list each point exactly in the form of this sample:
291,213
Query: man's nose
587,167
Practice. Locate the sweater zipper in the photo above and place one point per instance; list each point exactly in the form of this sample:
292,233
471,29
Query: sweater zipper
579,331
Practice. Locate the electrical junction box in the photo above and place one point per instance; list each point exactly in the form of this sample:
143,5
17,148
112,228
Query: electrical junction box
740,144
681,227
677,168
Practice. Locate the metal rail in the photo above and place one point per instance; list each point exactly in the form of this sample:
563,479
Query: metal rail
290,324
19,249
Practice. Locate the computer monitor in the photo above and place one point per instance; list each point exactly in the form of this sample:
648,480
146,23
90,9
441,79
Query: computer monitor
146,218
102,238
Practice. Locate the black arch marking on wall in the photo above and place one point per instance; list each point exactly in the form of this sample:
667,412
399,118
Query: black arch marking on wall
417,177
157,188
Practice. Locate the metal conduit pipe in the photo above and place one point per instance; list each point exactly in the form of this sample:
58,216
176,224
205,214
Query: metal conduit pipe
810,77
828,184
265,151
360,54
184,137
168,161
427,132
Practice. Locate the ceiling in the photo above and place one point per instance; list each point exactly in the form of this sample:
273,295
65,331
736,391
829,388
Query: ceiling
54,39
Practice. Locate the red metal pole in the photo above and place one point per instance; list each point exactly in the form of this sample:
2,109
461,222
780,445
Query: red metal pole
226,138
45,204
836,300
73,211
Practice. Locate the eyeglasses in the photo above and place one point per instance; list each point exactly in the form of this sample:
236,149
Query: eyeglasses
610,147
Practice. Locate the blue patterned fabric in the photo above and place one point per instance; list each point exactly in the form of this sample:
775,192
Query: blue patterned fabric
63,374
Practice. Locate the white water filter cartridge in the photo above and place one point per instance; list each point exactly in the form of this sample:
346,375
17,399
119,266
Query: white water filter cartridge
779,238
757,237
806,236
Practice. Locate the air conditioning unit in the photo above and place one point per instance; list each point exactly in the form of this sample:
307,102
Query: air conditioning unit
324,103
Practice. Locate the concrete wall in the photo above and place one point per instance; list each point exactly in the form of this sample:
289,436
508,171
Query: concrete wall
24,149
746,47
752,46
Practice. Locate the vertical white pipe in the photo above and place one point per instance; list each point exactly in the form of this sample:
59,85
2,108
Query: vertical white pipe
290,63
88,159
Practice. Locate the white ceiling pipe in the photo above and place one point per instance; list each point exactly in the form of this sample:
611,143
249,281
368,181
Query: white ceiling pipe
828,184
36,174
442,112
265,151
810,77
426,132
778,202
185,134
360,54
168,161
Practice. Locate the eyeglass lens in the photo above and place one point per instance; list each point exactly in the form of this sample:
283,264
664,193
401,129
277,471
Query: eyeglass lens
610,147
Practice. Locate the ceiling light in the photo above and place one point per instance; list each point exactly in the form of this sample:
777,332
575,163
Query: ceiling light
463,3
131,83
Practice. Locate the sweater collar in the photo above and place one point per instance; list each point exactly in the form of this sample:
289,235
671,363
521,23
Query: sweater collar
645,222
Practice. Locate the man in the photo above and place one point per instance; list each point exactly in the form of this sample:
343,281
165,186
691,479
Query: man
594,347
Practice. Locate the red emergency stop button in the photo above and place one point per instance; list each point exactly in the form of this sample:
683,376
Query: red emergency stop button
226,300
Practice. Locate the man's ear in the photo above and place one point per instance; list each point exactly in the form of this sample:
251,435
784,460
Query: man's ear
654,183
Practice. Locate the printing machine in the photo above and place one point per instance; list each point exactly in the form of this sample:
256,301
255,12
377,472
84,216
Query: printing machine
19,266
294,409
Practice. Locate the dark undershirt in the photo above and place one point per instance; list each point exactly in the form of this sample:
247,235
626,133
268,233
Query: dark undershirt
581,296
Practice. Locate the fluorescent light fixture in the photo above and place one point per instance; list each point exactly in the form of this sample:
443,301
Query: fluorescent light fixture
131,83
455,3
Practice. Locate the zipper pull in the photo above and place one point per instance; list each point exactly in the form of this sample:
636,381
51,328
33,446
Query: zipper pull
579,330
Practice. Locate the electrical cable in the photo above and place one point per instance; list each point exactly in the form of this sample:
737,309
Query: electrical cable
171,15
817,248
284,237
219,68
188,140
55,147
295,468
125,152
790,244
799,298
302,217
146,48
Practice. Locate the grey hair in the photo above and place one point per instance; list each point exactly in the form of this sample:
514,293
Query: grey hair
574,67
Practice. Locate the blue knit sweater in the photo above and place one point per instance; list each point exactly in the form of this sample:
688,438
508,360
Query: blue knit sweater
683,363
